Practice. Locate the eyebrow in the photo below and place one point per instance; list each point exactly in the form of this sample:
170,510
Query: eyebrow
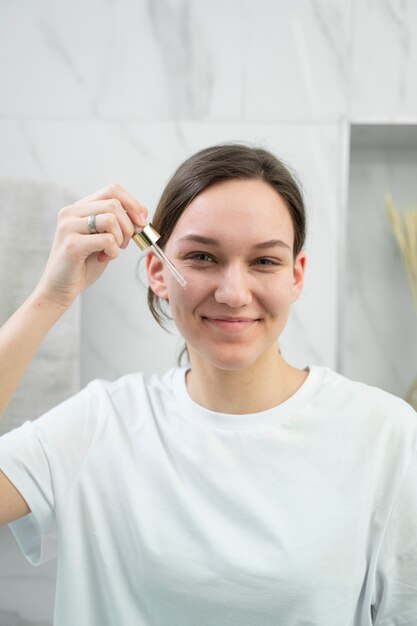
213,242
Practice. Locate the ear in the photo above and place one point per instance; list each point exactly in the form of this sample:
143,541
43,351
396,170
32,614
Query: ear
156,278
298,275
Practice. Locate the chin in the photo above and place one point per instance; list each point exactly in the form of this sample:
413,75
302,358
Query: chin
232,359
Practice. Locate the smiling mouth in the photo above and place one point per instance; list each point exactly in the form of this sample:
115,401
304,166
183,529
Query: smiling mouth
230,324
231,318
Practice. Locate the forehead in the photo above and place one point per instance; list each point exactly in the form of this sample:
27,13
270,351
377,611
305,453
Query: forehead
234,206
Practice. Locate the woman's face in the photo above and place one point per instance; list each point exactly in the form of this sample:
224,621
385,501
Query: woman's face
233,245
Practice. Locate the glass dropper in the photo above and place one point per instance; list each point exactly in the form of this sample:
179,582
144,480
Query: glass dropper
146,238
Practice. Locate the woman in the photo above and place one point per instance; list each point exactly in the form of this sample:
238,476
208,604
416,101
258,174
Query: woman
236,490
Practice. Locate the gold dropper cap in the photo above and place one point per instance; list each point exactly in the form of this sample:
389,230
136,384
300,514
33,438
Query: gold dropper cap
146,237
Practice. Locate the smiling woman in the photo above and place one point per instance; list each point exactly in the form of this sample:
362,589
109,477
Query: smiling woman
237,489
236,272
229,162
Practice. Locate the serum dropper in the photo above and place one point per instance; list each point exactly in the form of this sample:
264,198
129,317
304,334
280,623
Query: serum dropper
146,238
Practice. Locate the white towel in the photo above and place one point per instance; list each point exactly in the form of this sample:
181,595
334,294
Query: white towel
28,216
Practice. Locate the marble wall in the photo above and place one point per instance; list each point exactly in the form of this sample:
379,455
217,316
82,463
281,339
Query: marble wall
122,91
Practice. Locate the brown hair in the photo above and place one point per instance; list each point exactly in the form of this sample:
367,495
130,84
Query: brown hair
210,166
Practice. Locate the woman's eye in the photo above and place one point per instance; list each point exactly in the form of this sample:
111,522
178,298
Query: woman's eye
265,261
199,254
203,257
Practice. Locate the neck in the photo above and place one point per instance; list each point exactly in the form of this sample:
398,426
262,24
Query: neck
251,390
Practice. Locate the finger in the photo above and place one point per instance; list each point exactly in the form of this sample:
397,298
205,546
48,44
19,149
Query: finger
99,207
103,209
103,243
105,223
132,206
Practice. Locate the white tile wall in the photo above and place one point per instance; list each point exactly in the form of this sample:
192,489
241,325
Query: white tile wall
165,60
384,61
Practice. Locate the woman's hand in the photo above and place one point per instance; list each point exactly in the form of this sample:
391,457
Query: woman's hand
78,257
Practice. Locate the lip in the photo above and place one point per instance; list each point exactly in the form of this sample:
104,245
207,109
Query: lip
231,324
225,318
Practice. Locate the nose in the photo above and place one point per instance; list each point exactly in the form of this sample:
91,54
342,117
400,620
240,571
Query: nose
233,287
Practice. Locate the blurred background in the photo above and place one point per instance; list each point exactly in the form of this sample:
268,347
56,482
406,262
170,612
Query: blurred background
123,91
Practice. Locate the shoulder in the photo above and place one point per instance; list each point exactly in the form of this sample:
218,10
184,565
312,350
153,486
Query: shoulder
366,402
134,389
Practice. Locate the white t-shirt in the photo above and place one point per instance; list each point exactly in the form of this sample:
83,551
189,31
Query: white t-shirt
163,513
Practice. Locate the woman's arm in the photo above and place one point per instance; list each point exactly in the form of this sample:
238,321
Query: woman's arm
20,336
76,260
12,504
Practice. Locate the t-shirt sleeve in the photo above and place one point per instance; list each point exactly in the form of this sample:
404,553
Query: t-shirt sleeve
396,580
42,459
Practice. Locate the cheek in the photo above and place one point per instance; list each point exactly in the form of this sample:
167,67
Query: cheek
185,301
274,295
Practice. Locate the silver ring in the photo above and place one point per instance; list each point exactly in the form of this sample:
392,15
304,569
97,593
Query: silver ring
91,221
